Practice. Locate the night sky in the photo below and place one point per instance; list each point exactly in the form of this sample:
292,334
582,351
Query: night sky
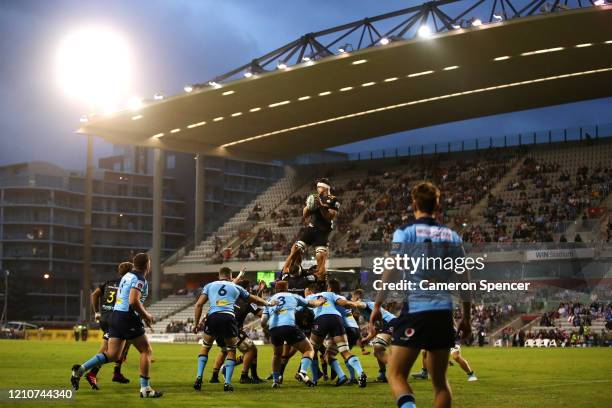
179,42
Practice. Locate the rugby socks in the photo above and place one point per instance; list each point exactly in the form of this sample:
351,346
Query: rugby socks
276,377
323,372
351,370
305,365
406,401
254,370
315,370
324,367
95,361
356,364
94,371
202,359
284,362
229,370
144,382
117,368
336,367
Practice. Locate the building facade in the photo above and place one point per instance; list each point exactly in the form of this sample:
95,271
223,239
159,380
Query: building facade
229,184
41,232
42,214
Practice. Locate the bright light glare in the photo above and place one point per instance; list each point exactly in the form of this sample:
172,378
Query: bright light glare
135,103
424,31
93,65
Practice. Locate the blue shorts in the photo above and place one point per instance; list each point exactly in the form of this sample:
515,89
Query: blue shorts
352,334
221,326
328,325
290,334
125,325
428,330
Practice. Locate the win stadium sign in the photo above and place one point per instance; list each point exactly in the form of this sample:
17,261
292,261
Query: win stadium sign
559,254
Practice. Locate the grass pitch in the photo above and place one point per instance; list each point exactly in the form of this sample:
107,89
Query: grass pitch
507,378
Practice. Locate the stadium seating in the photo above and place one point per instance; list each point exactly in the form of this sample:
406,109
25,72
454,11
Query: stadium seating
522,194
553,187
170,306
184,315
219,240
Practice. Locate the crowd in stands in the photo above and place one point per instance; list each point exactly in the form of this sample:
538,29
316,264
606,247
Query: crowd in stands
180,326
463,184
485,318
581,337
578,314
255,214
548,197
581,333
545,197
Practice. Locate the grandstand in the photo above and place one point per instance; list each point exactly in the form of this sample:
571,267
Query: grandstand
170,306
228,234
531,193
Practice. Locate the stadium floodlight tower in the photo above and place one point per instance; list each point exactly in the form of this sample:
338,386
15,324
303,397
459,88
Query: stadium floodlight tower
93,67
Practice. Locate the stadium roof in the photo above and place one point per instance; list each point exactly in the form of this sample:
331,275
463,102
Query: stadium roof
518,64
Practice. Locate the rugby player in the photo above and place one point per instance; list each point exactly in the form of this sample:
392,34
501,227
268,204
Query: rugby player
455,353
280,321
426,321
245,345
298,279
322,209
102,303
328,322
126,324
381,338
353,335
221,322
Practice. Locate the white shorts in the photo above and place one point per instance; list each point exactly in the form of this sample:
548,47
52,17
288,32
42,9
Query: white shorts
456,349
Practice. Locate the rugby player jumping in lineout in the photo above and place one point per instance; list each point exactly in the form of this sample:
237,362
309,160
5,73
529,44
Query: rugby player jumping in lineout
322,207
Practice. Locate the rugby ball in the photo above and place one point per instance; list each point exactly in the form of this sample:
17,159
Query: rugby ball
311,202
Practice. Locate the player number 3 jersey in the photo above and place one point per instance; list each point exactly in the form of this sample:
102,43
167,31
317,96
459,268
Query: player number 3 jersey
109,295
283,314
